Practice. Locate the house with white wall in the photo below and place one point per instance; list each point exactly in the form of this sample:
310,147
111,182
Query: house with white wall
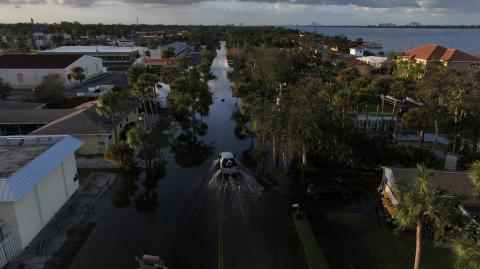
357,51
25,71
37,176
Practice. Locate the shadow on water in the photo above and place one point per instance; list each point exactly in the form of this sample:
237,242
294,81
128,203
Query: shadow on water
188,151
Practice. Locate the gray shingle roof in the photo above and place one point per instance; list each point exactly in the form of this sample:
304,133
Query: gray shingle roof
85,121
455,182
19,105
31,116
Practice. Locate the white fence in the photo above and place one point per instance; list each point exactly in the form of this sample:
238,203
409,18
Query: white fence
8,249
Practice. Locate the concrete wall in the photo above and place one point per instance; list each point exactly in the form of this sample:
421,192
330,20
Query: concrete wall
91,65
40,204
33,77
29,220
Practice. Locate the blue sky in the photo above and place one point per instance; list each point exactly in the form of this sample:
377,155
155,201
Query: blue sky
253,12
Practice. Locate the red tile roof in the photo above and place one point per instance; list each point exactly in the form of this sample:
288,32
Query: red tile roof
435,52
37,61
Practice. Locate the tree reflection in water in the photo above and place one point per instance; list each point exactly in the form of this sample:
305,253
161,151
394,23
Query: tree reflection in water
188,151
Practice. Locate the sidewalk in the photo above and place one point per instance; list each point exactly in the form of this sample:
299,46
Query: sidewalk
313,252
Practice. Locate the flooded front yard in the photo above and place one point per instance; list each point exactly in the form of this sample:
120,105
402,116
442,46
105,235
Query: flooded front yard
357,236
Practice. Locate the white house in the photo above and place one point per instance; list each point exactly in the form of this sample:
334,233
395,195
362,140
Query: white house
27,70
358,51
374,61
37,176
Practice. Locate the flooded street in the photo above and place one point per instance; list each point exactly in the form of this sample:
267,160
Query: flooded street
200,221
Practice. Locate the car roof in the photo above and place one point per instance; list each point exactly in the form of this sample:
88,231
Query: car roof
226,155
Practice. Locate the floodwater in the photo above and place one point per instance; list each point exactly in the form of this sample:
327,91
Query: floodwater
200,221
401,39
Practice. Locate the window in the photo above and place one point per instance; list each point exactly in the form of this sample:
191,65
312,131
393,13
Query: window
20,77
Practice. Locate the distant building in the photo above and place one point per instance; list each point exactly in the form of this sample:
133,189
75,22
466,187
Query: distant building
374,61
27,70
155,61
432,54
114,58
37,177
357,51
179,49
123,43
388,24
41,41
355,63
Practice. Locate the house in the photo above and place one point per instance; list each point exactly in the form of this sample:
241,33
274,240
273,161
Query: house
357,51
37,177
114,58
179,49
27,120
432,54
456,182
10,105
25,71
155,61
123,42
97,132
355,63
374,61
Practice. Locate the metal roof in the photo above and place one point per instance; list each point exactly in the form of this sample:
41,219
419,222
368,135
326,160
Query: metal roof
26,178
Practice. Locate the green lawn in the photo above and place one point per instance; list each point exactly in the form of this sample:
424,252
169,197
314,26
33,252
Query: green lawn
387,110
369,246
313,252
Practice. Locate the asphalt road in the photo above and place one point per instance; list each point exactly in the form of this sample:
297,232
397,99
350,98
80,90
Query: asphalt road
237,224
199,222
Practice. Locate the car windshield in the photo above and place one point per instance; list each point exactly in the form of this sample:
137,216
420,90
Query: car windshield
228,163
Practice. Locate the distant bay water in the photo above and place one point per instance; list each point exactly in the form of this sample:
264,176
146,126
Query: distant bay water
401,39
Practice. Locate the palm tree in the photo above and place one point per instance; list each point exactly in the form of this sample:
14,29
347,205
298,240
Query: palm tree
148,81
108,106
466,250
135,137
474,174
78,74
420,205
467,254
